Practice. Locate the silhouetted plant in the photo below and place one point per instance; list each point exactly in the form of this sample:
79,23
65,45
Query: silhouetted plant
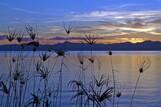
76,85
81,59
43,72
81,79
110,53
68,28
17,75
90,39
91,59
44,56
118,95
98,93
32,43
20,37
82,67
113,77
143,64
31,31
6,91
13,60
4,88
35,100
60,53
11,35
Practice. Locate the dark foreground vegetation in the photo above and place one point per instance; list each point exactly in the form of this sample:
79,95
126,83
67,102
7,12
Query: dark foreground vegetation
31,82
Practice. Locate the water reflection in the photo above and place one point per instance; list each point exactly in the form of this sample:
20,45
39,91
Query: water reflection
126,72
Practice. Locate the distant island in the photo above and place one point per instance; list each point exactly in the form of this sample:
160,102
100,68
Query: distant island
68,46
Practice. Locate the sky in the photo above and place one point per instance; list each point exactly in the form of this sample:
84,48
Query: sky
113,20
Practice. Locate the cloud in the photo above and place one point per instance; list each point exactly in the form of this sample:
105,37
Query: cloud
103,14
149,29
129,29
96,15
122,21
25,10
102,22
2,33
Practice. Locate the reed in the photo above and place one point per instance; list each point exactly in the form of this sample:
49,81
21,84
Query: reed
143,64
32,82
31,32
113,77
96,93
68,28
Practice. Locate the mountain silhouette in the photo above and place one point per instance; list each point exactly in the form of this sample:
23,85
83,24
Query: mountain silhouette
68,46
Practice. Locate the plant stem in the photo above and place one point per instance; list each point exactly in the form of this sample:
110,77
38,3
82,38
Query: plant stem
113,77
135,90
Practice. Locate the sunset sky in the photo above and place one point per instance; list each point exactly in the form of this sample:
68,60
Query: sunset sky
112,20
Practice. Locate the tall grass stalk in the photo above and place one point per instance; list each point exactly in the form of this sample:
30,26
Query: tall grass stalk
60,84
136,85
143,63
113,78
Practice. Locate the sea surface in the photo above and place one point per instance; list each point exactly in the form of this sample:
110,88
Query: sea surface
125,64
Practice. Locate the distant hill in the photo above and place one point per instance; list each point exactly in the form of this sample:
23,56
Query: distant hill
144,46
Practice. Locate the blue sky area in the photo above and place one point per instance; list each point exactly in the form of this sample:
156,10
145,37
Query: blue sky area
93,16
37,11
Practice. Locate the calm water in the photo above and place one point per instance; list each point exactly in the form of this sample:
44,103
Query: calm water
148,93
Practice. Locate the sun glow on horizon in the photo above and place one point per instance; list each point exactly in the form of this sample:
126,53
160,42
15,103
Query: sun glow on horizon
133,40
